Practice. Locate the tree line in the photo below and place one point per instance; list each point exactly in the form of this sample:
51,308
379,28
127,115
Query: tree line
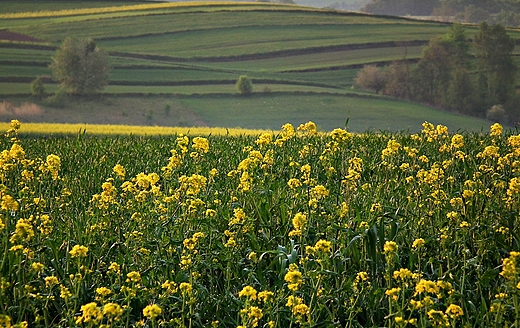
448,76
504,12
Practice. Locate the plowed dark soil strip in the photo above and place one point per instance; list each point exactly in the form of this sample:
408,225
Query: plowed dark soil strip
13,36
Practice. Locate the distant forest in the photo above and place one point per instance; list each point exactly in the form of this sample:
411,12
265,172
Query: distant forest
504,12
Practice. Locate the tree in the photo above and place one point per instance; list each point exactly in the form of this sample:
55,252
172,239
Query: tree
80,66
460,90
38,88
442,75
244,85
398,78
371,78
433,73
460,93
495,66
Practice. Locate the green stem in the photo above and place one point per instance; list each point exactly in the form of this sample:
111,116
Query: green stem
517,310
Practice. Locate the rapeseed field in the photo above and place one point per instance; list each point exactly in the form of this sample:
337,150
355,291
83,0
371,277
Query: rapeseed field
293,228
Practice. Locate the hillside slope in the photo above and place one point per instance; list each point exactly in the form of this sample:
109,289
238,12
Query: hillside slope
189,52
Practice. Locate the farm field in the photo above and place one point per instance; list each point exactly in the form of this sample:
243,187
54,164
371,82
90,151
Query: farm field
288,228
196,51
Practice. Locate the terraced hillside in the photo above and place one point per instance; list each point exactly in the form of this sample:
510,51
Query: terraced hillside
195,51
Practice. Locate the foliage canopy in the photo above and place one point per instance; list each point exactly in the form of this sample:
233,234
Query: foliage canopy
244,85
80,66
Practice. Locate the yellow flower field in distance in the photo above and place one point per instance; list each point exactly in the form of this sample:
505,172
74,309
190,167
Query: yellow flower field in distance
113,129
114,9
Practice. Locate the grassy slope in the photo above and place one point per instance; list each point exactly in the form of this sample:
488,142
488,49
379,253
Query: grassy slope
287,50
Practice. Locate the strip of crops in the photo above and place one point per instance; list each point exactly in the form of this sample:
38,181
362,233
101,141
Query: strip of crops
32,23
285,229
176,74
322,60
30,55
14,88
343,77
182,21
228,88
21,6
138,7
23,71
251,40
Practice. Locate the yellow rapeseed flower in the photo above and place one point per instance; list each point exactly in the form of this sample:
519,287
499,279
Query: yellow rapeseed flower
5,321
103,291
265,295
133,276
248,292
323,246
340,135
294,183
9,203
362,276
393,293
114,268
457,141
390,247
454,311
418,243
300,310
17,152
293,277
403,274
185,287
438,318
51,281
511,266
256,314
299,221
37,267
264,139
113,311
152,311
65,293
514,187
91,314
426,286
309,127
15,124
200,144
495,129
23,231
78,251
119,170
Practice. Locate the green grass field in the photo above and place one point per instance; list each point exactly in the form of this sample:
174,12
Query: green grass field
197,52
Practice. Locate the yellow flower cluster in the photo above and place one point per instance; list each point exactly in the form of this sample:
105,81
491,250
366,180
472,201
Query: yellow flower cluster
190,243
299,223
293,277
152,311
78,251
309,127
